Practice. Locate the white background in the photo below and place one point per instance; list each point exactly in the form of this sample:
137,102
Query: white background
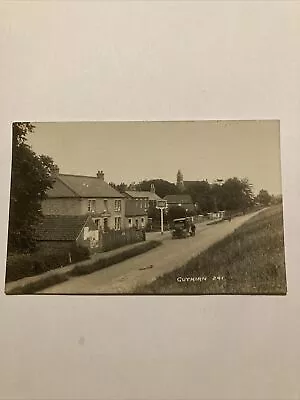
143,61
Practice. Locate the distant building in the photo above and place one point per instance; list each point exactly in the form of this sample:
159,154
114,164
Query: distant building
86,195
179,180
144,199
182,200
135,216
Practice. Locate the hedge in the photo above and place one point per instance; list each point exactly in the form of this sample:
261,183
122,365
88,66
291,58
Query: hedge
43,283
114,258
19,266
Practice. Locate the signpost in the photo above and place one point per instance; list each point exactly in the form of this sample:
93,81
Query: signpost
161,205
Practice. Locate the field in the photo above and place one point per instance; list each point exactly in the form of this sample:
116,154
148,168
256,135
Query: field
248,261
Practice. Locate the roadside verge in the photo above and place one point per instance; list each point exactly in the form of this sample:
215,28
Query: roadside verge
31,285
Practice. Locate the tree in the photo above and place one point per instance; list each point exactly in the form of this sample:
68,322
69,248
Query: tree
264,197
201,195
122,187
162,187
31,177
154,213
217,198
237,194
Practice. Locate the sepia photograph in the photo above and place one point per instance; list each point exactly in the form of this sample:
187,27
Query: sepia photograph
145,208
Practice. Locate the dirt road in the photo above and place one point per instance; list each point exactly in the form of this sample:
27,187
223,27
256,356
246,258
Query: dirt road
143,269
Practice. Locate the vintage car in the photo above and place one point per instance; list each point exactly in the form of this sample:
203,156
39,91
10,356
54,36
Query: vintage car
181,228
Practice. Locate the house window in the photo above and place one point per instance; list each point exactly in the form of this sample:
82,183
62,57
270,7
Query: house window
143,222
97,222
117,223
117,205
136,223
91,205
130,222
105,205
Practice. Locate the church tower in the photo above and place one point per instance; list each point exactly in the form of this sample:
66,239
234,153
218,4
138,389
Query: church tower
179,182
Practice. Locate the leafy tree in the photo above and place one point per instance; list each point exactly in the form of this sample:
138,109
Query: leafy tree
31,177
264,197
162,187
154,213
217,198
201,195
237,194
122,187
276,199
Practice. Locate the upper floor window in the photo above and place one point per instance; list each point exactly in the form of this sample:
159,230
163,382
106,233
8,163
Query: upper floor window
91,205
117,205
105,205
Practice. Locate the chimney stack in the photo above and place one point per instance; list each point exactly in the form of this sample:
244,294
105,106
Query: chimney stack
100,175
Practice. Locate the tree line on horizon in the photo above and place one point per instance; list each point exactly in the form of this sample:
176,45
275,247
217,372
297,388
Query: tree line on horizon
233,194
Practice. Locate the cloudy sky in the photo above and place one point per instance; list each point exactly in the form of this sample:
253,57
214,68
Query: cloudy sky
132,151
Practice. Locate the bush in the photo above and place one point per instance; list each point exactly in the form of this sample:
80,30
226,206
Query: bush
79,253
19,266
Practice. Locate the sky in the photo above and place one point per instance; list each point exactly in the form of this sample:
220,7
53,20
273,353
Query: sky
133,151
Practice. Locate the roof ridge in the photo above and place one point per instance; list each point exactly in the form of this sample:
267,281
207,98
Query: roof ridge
64,215
80,176
72,190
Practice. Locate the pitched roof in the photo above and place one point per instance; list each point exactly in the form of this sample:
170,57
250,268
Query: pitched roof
144,194
133,210
82,186
179,198
60,227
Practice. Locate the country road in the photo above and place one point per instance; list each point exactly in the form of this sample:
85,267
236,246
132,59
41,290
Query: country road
124,277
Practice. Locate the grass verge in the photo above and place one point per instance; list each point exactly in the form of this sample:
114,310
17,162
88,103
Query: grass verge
249,261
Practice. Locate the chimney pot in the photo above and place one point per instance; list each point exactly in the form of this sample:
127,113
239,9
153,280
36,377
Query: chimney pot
100,175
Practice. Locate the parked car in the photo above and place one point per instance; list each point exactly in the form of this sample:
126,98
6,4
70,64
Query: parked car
181,228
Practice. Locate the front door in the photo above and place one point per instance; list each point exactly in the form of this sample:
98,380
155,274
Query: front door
105,224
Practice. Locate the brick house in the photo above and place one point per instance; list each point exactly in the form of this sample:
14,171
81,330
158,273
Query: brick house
144,199
86,195
135,215
60,232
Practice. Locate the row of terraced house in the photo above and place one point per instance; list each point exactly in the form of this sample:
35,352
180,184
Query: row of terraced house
85,210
